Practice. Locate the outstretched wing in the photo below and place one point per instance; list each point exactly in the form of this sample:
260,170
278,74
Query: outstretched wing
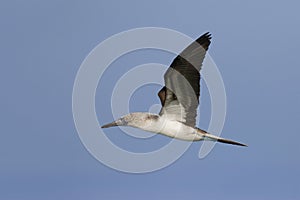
180,95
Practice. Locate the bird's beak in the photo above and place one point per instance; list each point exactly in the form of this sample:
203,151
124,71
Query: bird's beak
119,122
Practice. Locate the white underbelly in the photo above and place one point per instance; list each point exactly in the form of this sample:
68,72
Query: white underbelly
173,129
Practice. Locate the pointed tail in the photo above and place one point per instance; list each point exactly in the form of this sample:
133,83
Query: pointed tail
223,140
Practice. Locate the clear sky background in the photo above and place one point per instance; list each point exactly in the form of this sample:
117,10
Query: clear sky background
256,47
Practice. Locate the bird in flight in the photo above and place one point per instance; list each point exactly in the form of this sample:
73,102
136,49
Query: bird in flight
179,99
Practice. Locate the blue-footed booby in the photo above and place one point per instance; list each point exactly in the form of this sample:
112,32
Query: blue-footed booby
179,99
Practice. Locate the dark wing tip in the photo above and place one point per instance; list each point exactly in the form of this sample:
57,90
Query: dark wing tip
204,40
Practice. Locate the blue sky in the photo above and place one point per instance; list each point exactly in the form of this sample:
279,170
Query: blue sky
255,45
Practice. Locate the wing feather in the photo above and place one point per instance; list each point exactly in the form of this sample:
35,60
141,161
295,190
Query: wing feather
180,95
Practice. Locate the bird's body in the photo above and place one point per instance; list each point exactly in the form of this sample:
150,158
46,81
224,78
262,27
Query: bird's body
160,124
174,129
179,98
163,125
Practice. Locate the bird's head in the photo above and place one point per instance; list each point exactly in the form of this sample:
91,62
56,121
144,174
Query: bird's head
137,119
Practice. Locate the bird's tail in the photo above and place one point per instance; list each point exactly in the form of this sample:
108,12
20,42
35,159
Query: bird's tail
211,137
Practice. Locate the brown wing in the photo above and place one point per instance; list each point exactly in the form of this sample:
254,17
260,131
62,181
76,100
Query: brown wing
180,95
162,95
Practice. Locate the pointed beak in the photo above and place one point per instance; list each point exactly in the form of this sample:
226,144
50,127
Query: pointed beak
109,125
119,122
